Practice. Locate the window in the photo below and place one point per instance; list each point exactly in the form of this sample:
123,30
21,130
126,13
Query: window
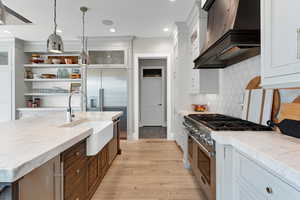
152,73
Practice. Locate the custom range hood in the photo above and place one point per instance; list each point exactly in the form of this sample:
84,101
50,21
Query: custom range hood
233,33
10,17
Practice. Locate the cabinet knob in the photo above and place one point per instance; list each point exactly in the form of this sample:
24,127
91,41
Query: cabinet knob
269,190
78,171
77,153
77,199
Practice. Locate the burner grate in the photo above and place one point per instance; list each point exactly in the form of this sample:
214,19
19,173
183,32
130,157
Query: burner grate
219,122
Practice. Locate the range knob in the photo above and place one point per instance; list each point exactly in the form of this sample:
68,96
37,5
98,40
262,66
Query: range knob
210,142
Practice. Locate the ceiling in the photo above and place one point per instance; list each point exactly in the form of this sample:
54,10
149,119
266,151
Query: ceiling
141,18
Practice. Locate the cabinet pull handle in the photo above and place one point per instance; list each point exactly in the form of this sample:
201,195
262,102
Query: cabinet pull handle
269,190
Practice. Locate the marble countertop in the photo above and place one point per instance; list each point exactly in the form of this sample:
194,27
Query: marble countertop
29,143
102,116
280,154
53,109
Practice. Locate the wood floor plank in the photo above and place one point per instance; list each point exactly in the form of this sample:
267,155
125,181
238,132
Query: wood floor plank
149,170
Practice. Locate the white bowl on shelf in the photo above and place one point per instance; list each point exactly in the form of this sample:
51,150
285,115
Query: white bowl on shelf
56,61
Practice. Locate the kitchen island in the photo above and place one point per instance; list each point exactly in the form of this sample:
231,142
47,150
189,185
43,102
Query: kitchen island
29,144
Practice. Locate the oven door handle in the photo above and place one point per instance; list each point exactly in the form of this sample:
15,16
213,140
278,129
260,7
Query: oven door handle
209,154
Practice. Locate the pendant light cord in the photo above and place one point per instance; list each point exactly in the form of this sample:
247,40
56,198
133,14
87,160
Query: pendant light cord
83,31
55,24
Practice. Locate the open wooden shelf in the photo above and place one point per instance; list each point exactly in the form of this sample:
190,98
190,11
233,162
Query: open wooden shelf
49,94
52,80
52,66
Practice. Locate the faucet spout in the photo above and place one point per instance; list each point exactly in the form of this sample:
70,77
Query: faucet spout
70,114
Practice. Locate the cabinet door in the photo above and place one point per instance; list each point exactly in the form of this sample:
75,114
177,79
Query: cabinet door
5,87
280,41
259,181
109,57
195,82
243,192
93,172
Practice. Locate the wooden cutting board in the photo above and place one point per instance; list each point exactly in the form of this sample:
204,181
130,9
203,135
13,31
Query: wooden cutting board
254,83
290,111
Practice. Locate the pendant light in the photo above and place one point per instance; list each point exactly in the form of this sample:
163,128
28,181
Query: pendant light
55,43
2,13
84,58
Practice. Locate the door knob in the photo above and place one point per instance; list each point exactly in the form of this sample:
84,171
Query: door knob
159,104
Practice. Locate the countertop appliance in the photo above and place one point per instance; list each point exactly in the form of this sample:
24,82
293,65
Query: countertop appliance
199,127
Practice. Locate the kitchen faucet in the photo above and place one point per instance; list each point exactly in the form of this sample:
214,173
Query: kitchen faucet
70,114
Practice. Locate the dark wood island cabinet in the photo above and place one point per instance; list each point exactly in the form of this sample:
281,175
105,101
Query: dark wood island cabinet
76,176
83,174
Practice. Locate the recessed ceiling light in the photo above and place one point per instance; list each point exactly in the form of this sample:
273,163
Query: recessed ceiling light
107,22
172,0
166,29
112,30
59,31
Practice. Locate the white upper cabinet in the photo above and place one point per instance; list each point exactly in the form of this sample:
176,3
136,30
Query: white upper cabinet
202,81
280,43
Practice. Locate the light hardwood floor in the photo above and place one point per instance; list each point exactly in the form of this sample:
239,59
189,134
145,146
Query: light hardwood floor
149,170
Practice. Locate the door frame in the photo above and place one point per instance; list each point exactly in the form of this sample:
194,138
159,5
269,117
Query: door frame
163,90
136,91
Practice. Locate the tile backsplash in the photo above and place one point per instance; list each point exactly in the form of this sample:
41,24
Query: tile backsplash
233,81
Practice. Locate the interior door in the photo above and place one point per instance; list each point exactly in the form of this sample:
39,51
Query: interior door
151,99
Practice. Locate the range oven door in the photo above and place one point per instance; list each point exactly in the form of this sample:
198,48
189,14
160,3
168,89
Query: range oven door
206,167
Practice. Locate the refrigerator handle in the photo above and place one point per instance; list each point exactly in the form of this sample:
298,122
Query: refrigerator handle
101,99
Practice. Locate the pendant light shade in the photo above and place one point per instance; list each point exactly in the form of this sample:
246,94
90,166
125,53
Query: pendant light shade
2,13
84,57
54,42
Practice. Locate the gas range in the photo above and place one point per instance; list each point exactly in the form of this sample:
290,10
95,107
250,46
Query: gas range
217,122
201,147
200,126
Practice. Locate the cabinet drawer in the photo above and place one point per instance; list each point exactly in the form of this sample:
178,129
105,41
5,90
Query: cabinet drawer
79,193
75,178
93,173
75,153
261,180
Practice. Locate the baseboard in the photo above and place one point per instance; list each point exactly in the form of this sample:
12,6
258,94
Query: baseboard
132,137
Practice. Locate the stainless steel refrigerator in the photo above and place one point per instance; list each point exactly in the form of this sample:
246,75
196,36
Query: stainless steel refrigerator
107,91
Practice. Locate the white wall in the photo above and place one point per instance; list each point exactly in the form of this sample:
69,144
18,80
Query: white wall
233,81
152,45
